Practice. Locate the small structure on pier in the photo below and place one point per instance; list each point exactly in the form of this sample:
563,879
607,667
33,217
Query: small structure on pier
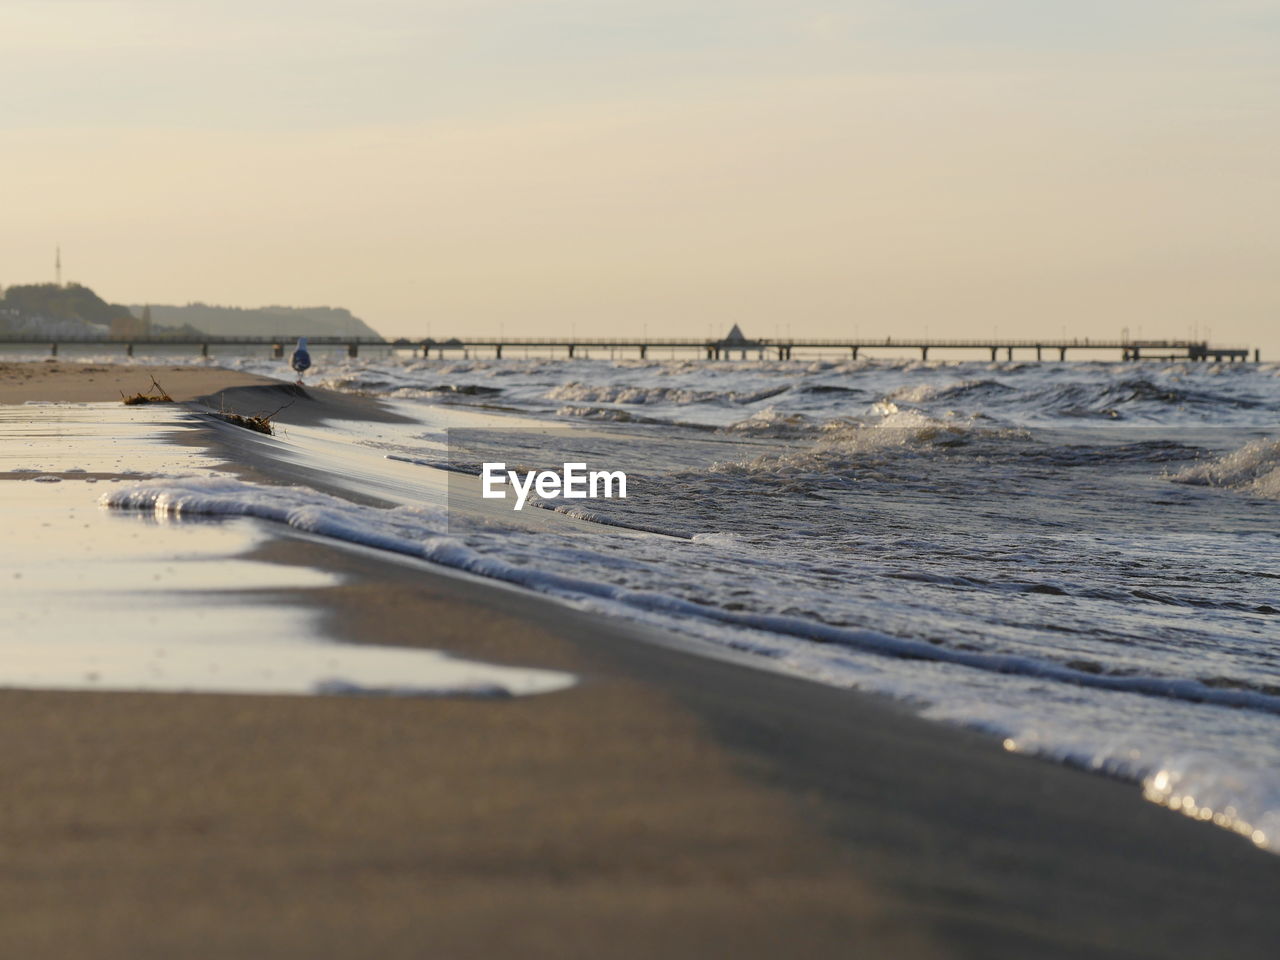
734,340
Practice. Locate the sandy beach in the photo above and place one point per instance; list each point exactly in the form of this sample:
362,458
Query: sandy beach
65,381
667,805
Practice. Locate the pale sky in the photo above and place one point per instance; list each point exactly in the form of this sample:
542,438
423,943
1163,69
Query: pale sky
533,167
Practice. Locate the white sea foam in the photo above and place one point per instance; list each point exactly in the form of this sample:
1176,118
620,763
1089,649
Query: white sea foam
1253,469
578,392
420,532
846,447
1238,796
608,414
1201,786
772,422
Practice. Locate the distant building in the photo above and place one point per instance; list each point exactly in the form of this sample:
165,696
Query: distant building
131,326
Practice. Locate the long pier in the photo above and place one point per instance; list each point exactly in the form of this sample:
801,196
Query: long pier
724,349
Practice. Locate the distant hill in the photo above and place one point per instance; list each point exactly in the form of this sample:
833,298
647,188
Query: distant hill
285,322
71,310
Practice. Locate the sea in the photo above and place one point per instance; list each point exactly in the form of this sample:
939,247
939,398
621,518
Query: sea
1080,559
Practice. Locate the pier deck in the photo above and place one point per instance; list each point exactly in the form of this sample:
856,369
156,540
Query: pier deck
724,349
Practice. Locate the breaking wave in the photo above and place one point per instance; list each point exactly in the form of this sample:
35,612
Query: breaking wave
1253,469
578,392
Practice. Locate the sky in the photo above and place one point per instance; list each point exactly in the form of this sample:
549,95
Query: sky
630,167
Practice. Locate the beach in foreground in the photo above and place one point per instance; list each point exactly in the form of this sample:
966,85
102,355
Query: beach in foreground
665,805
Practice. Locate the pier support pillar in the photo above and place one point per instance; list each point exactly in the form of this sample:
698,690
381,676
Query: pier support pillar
277,351
993,354
643,351
1037,353
571,351
204,349
128,350
924,353
855,352
1062,354
53,349
353,349
498,353
1009,354
1257,355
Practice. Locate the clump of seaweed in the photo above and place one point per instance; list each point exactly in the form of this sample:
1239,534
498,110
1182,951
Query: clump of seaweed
259,423
158,394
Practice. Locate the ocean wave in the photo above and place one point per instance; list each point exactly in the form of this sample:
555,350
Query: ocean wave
421,532
1042,393
1020,393
843,447
606,414
1203,788
772,422
578,392
1232,796
968,390
1090,454
1139,397
1253,469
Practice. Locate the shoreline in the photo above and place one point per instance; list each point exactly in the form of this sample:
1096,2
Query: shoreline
667,803
911,801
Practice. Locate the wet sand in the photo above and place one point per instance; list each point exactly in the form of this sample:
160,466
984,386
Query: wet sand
202,387
72,382
668,805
